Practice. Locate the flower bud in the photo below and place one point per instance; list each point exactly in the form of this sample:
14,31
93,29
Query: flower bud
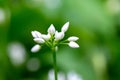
36,48
46,37
73,44
39,40
59,35
51,29
65,27
36,34
73,38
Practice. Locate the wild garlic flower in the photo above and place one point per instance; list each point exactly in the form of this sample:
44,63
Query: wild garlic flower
53,38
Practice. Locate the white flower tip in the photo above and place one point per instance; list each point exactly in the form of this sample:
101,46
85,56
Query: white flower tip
36,34
36,48
65,27
51,29
67,22
73,44
73,38
33,34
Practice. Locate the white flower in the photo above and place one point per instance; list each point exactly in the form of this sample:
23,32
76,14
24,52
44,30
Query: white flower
73,44
36,34
51,29
65,27
36,48
59,35
46,37
61,75
39,40
53,38
73,76
73,38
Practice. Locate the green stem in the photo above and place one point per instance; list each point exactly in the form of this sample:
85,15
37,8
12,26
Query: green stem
64,43
55,67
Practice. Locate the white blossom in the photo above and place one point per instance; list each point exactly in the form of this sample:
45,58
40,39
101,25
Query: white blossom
73,38
73,76
65,27
51,29
59,35
39,40
61,75
36,34
73,44
46,37
16,53
53,38
36,48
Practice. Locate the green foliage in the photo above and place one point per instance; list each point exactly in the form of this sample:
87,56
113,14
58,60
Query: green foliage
95,22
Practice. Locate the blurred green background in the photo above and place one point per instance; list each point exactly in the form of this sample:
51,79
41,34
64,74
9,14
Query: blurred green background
95,22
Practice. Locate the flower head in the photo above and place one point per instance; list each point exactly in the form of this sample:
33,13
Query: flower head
53,38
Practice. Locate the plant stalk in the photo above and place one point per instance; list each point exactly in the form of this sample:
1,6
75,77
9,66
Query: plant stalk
54,64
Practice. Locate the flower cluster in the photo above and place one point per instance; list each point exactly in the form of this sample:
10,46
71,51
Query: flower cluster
53,38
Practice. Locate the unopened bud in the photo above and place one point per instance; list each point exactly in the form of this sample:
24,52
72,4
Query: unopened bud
36,48
73,44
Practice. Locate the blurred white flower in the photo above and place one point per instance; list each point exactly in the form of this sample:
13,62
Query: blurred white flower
73,38
53,38
61,75
2,15
51,29
35,48
52,4
16,53
73,44
65,27
33,64
73,76
113,6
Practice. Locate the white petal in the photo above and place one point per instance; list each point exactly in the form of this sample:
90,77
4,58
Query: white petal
36,34
73,44
51,29
46,37
73,38
65,27
39,40
59,35
33,34
36,48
